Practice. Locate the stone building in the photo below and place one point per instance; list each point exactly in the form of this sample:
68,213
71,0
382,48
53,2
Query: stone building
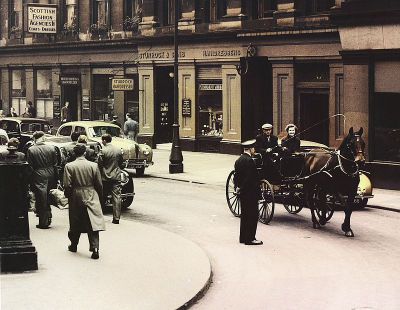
241,63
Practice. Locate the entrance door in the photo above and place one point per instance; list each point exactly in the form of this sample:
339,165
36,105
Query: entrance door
314,113
164,109
70,94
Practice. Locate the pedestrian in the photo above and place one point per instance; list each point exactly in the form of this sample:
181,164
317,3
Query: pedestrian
43,160
115,121
247,182
26,113
12,154
12,113
90,154
83,188
69,148
110,162
31,109
131,127
65,113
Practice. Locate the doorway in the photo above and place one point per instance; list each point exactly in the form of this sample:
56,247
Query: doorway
164,105
70,94
314,117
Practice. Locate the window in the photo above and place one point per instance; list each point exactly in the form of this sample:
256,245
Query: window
316,6
43,96
132,98
98,131
18,91
80,129
15,18
132,14
203,10
65,131
70,16
103,97
101,14
221,8
267,7
168,12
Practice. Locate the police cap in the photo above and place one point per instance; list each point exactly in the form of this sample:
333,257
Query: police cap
249,143
266,126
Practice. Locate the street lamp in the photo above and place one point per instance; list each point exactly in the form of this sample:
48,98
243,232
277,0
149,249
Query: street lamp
176,158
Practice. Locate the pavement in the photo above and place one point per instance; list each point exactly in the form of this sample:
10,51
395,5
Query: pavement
140,266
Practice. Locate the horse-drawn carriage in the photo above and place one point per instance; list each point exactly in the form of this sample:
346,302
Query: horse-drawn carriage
319,178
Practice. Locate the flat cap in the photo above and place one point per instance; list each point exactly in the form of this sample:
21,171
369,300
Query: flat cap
249,143
266,126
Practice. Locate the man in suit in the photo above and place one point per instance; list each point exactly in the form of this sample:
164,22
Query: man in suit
83,188
131,127
247,181
69,148
43,160
266,141
110,162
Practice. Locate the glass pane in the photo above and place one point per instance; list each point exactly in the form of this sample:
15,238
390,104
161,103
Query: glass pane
40,112
210,110
43,83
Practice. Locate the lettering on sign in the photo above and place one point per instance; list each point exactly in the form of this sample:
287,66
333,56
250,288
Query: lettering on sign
122,84
70,80
42,18
210,86
186,107
221,53
56,107
161,55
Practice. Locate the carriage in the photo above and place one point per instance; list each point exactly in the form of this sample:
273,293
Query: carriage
296,189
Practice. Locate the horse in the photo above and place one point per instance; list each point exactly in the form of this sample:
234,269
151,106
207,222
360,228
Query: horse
335,174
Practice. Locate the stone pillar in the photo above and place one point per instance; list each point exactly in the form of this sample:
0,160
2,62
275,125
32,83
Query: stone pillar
119,97
146,105
283,93
5,88
117,15
30,85
84,19
149,19
4,24
336,103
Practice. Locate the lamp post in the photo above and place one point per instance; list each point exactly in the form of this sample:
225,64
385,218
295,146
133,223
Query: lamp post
176,158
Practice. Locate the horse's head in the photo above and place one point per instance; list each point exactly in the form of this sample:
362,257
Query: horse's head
355,145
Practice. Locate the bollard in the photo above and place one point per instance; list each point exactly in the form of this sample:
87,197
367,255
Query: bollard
16,250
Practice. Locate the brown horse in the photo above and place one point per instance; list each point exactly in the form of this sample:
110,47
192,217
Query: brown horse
334,174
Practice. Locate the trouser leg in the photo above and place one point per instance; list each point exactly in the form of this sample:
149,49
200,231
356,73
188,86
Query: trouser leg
74,237
116,200
94,240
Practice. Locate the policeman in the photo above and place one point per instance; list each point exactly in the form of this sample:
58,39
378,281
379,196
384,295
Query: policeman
247,181
266,141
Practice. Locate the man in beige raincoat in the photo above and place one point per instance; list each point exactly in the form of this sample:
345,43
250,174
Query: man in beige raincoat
83,188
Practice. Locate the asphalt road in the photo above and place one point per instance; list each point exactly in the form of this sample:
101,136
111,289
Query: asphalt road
296,268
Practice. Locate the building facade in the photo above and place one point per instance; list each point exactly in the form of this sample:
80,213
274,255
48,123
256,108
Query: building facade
325,65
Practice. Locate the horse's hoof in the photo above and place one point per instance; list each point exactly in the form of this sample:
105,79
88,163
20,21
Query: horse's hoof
349,233
316,225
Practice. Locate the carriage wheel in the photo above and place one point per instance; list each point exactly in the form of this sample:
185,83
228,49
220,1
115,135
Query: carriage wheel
266,205
323,204
231,195
295,202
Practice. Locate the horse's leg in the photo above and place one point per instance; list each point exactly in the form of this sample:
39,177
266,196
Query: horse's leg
347,211
310,188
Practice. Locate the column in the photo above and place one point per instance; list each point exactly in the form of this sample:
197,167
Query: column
30,90
5,88
117,15
119,97
84,19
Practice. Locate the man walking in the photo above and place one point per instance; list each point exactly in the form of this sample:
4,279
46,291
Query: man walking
43,160
110,162
83,188
247,181
131,127
65,113
69,148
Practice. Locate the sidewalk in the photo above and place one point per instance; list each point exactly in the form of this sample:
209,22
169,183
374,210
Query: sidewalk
140,267
213,169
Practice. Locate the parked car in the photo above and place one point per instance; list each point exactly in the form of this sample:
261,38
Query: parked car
3,140
137,156
23,128
127,192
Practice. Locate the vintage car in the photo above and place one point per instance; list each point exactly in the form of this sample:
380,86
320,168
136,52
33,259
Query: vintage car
23,128
127,193
137,156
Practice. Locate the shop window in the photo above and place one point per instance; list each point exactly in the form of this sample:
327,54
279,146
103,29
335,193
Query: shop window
103,97
43,95
101,15
132,98
318,6
210,108
18,91
386,140
133,14
15,18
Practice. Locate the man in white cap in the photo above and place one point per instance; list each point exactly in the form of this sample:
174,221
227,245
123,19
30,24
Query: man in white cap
247,181
266,141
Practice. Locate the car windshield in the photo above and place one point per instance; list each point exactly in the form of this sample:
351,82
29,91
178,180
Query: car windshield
98,131
32,127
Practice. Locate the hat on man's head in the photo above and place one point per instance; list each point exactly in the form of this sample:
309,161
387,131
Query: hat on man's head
115,116
13,144
266,126
249,143
38,134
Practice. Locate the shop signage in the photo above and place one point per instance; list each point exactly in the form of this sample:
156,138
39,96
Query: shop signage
70,80
164,121
42,18
210,86
85,102
186,107
122,84
56,107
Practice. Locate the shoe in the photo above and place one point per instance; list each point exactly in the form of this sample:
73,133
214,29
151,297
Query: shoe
42,227
95,254
72,248
114,221
254,242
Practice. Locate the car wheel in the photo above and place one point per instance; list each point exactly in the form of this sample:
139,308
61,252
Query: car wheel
140,171
127,188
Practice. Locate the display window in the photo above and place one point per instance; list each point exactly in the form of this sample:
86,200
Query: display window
43,96
209,116
18,91
103,97
132,98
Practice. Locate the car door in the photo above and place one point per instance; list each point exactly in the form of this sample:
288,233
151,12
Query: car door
65,131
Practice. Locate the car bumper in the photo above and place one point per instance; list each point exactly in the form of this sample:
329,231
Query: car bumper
137,163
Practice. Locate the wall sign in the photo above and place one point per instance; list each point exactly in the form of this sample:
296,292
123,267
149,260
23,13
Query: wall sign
210,86
70,80
164,121
186,107
42,18
56,107
122,84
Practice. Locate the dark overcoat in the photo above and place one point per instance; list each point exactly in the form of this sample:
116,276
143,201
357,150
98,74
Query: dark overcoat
291,143
248,181
110,162
263,142
83,188
43,160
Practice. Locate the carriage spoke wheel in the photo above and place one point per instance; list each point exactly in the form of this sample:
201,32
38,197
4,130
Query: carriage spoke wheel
294,202
266,205
323,204
231,195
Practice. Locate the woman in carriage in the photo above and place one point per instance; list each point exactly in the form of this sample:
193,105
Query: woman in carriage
291,142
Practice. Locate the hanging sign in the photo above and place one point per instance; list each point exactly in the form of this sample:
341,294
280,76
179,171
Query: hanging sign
186,107
70,80
42,18
122,84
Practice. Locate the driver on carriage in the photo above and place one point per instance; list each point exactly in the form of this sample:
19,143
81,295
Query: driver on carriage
266,141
